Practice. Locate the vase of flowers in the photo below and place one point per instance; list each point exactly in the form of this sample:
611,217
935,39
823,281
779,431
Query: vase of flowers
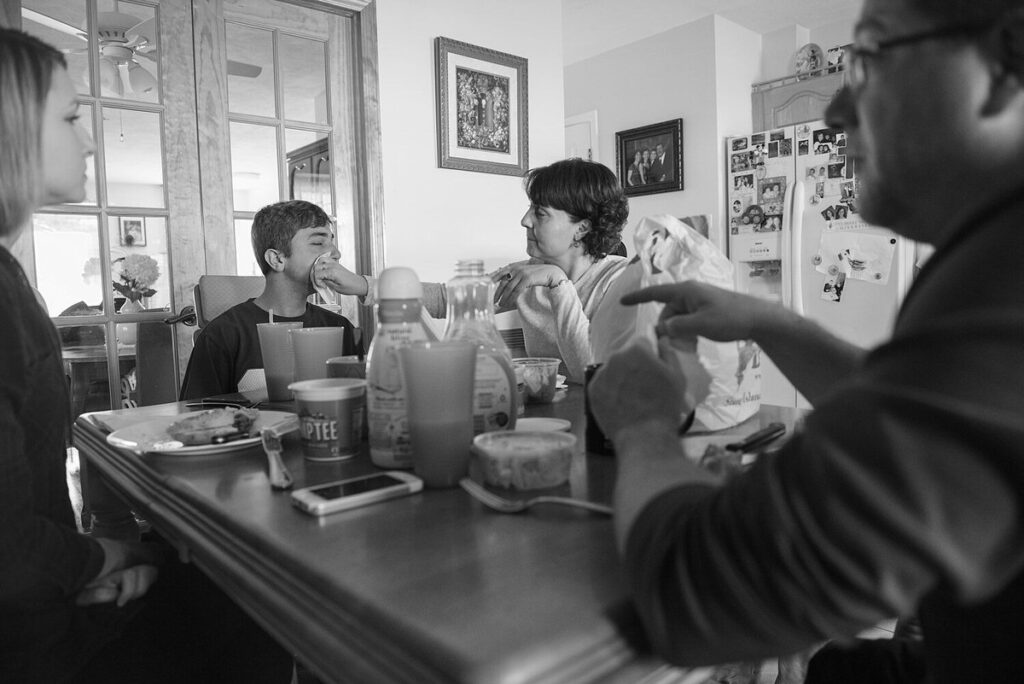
134,276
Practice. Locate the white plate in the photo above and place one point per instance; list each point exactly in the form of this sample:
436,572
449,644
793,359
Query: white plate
543,425
151,436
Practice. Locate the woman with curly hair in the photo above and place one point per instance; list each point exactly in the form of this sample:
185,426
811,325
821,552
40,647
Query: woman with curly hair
574,223
577,210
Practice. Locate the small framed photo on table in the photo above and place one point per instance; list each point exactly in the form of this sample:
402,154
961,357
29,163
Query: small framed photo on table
482,118
649,159
132,231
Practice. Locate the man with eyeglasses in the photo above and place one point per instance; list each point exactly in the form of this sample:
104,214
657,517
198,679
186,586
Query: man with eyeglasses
903,492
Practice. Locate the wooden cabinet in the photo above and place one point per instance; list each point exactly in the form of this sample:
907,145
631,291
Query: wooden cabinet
793,99
309,174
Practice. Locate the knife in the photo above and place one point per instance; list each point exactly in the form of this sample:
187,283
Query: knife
758,439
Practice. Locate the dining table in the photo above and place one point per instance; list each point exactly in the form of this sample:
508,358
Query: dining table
429,587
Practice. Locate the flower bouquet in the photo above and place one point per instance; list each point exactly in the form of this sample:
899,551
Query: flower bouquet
134,277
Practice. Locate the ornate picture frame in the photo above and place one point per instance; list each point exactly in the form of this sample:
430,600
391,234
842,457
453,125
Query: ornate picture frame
482,112
660,164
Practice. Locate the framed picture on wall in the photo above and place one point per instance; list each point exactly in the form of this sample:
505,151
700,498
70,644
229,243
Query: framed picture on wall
132,231
649,159
482,120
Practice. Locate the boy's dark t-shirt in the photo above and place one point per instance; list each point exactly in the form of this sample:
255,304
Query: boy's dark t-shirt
229,346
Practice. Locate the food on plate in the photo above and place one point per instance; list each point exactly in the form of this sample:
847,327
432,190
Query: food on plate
524,460
202,427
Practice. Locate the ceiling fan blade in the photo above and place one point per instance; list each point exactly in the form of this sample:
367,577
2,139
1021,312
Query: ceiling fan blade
243,69
142,34
151,56
51,23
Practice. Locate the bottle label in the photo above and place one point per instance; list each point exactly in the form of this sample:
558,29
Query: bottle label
494,400
387,419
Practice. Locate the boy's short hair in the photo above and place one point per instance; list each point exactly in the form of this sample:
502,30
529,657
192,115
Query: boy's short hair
275,225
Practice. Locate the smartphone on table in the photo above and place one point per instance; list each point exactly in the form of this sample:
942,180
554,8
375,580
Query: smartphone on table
330,497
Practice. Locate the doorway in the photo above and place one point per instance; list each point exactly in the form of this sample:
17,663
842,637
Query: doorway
202,113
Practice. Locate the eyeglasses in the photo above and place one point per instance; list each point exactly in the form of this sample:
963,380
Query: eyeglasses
857,67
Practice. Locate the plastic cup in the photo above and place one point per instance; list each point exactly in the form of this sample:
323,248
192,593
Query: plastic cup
329,296
312,347
349,367
278,358
330,417
346,367
540,375
438,379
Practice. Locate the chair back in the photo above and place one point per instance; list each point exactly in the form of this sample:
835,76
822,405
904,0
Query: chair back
215,294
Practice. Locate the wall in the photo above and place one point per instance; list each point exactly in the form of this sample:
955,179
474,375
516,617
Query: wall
702,74
778,56
833,35
435,216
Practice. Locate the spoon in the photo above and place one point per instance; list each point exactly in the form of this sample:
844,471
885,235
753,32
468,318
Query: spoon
271,435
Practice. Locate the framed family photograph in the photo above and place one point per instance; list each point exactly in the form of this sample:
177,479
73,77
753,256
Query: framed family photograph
132,231
482,117
650,159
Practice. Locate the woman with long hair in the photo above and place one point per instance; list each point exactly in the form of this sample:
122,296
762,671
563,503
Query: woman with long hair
75,607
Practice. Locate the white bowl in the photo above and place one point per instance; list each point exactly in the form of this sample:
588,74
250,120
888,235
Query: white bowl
524,460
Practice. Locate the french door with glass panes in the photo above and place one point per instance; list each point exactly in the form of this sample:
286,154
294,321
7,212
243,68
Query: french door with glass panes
185,155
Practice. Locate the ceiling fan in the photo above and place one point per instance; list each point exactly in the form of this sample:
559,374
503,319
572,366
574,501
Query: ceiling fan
123,40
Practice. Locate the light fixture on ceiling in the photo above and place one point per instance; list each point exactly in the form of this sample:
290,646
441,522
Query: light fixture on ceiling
140,80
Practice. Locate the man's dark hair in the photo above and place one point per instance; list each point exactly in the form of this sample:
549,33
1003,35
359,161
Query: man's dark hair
276,224
584,190
965,12
1008,15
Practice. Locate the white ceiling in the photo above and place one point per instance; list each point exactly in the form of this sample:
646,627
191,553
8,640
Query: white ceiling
590,27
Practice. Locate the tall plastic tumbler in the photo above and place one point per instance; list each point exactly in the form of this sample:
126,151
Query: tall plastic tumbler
313,346
438,378
278,358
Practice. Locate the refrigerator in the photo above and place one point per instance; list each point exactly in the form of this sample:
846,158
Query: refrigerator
795,236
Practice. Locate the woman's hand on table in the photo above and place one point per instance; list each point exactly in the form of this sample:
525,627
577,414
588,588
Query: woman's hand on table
121,586
514,278
635,389
340,279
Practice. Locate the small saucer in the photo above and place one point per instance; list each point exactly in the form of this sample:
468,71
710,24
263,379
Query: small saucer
543,425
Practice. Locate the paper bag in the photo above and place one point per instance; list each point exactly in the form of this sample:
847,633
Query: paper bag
670,251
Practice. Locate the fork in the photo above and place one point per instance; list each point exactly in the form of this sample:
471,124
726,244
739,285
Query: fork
504,505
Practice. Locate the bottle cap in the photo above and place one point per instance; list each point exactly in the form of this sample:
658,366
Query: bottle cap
399,282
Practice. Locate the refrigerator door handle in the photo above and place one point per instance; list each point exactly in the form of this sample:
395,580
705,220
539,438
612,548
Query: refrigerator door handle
795,239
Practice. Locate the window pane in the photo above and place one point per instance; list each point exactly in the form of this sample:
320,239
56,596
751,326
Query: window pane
62,24
309,168
138,263
85,360
245,259
254,166
86,122
250,70
303,79
67,254
127,38
133,155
